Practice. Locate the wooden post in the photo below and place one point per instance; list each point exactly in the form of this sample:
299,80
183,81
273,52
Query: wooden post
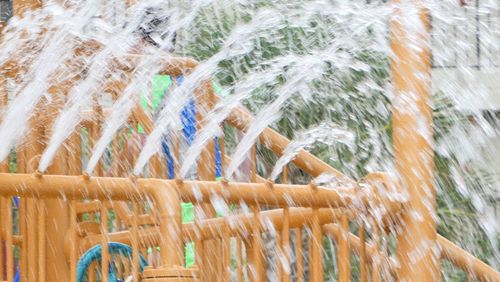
212,255
4,167
9,250
412,134
343,251
299,254
363,262
57,215
105,259
73,246
135,243
41,241
239,259
32,152
316,261
74,154
2,260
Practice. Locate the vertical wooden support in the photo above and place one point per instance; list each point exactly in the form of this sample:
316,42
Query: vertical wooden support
41,241
104,243
199,257
57,210
154,252
209,251
2,259
134,150
285,234
300,263
376,258
279,255
413,144
204,98
176,150
226,254
285,245
257,272
249,255
316,261
21,161
92,270
73,255
239,260
222,146
124,151
343,253
118,263
9,251
171,245
96,134
253,160
126,269
32,152
204,102
135,242
31,241
27,208
256,260
23,230
74,152
116,157
4,167
363,262
212,249
155,167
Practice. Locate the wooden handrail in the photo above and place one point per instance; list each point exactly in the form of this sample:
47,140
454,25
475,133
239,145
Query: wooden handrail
241,119
467,262
77,187
29,185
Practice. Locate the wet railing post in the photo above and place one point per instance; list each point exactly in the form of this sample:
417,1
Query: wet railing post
343,250
135,243
412,136
32,153
56,210
9,250
206,171
299,255
285,245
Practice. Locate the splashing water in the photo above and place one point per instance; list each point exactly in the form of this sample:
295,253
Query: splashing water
169,116
120,111
79,99
14,123
316,71
328,134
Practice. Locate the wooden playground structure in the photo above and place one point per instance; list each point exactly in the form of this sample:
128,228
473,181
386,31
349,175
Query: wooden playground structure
63,213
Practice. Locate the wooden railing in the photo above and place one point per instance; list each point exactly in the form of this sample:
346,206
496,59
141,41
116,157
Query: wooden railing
244,230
